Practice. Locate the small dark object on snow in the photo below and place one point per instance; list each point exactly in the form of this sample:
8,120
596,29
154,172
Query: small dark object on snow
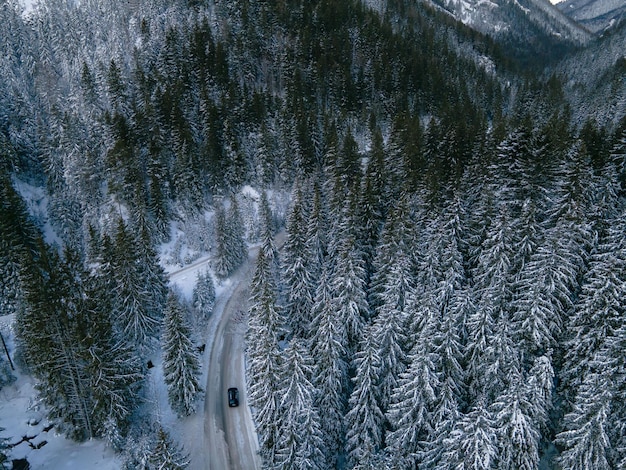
48,427
20,464
233,397
201,348
38,446
150,365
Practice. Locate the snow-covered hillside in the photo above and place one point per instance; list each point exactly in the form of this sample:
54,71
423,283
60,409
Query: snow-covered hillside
595,15
501,17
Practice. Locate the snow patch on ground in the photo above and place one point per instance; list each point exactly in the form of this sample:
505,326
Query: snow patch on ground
36,201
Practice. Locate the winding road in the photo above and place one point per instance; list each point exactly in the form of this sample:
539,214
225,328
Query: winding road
229,434
224,438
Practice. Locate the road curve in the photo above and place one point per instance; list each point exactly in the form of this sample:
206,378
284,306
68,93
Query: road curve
229,433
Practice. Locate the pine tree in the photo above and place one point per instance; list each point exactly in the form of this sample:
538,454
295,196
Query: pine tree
300,444
265,327
472,444
231,249
487,323
347,285
518,433
364,420
46,330
598,313
204,295
166,454
316,233
412,403
181,366
585,437
297,280
137,310
268,227
328,348
115,370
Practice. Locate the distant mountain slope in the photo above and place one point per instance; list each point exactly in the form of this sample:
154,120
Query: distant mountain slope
531,31
501,17
595,15
596,78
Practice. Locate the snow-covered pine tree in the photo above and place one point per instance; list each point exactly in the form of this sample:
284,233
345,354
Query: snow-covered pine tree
181,366
585,436
300,443
472,444
17,245
349,299
364,420
598,313
371,207
203,296
299,287
316,232
492,291
412,403
392,284
167,455
539,389
267,229
4,448
52,347
263,372
137,311
231,249
115,371
548,282
518,433
329,351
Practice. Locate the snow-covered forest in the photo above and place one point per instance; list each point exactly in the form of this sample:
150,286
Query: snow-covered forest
451,287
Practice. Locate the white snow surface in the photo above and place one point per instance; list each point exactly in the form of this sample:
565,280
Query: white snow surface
36,201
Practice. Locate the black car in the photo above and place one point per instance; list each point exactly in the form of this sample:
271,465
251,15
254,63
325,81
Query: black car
233,397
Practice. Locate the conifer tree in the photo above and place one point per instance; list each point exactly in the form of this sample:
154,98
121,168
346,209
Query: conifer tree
598,313
231,249
137,308
204,295
348,292
364,420
181,366
392,285
4,446
412,403
328,348
317,232
585,437
472,444
46,331
167,455
115,370
298,284
492,289
518,433
300,444
265,327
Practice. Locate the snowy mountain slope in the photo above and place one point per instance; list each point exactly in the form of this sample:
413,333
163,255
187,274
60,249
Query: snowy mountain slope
525,18
595,15
596,83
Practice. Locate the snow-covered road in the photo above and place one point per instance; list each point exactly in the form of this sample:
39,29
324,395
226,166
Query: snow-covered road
230,440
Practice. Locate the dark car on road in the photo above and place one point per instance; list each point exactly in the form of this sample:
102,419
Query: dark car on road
233,397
